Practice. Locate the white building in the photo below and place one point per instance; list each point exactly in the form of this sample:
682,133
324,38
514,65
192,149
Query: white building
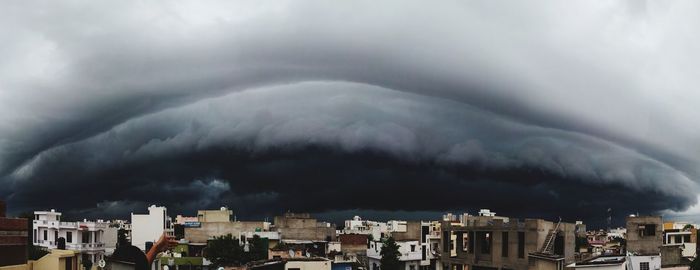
83,236
149,227
411,254
647,262
396,225
358,226
601,263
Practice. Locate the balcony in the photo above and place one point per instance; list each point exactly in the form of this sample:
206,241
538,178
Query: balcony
86,246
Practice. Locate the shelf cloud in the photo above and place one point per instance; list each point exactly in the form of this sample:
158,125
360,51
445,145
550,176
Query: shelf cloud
548,109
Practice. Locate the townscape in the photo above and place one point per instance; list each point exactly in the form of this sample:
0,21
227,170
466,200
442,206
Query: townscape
215,239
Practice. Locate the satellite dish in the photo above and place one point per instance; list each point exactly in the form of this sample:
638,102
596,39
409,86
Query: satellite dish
291,253
165,267
102,263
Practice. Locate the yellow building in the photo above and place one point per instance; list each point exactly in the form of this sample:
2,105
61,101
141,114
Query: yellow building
56,260
221,215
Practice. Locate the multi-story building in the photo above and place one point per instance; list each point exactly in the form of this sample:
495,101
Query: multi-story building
13,239
409,259
221,215
84,236
644,242
301,226
492,242
149,227
367,227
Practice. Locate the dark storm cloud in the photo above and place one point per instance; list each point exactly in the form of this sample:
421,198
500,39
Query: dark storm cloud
132,97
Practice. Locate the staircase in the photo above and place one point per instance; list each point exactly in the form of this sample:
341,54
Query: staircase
548,247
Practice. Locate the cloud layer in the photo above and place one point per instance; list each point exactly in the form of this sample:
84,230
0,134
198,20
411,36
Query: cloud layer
294,104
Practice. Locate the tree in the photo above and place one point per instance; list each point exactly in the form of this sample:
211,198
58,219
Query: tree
688,227
390,255
695,264
121,238
257,249
224,251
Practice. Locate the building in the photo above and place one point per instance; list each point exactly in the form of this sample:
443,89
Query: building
149,227
292,264
492,242
303,227
617,262
367,227
221,215
111,234
85,237
410,254
353,243
644,242
13,239
200,233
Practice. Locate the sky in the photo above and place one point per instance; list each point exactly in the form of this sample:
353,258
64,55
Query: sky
546,109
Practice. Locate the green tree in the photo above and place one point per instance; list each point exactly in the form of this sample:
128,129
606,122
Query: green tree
695,264
224,251
257,249
390,255
688,227
121,238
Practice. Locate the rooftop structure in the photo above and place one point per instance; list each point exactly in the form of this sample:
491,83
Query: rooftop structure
85,237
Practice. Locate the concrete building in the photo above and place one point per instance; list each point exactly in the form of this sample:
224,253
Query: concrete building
85,237
644,242
492,242
367,227
410,257
618,262
13,239
221,215
292,264
303,227
209,230
149,227
353,243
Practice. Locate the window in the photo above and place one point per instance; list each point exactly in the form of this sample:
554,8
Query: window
86,237
647,230
459,245
521,244
55,235
472,236
69,237
465,241
424,254
485,242
413,248
446,240
424,233
46,235
644,266
504,244
411,267
36,236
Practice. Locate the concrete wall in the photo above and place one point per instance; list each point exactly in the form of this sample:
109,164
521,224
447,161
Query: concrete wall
412,232
644,245
671,255
213,229
308,265
535,232
634,261
149,227
223,215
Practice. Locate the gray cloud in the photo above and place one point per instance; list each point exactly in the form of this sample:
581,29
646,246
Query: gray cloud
593,93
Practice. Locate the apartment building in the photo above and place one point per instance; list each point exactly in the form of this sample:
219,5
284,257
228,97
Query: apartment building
149,227
301,226
13,239
409,259
85,237
644,242
493,242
